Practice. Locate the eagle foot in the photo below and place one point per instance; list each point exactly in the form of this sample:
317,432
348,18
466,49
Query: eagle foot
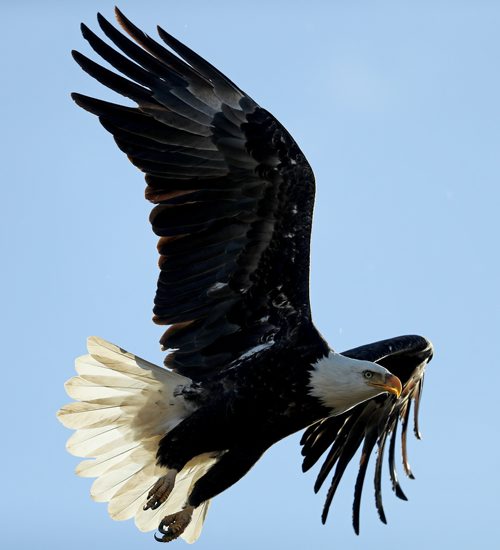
173,526
161,490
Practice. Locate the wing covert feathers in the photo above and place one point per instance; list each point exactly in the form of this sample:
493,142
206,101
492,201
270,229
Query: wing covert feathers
233,193
124,406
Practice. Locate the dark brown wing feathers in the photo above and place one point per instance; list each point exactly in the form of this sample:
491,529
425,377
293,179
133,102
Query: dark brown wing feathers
233,193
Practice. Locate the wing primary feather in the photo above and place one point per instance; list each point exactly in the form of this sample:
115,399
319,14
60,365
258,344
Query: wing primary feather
308,436
378,477
117,60
205,68
139,55
348,449
99,107
158,51
116,82
404,448
334,453
392,464
317,441
370,440
417,397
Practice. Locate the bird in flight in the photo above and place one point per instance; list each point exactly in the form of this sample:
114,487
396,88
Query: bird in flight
233,197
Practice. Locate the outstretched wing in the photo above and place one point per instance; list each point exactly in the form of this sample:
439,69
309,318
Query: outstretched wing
371,423
234,198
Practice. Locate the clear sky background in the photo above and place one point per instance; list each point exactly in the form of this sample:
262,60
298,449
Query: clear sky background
397,106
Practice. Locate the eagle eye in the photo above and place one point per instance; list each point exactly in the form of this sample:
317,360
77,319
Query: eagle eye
368,374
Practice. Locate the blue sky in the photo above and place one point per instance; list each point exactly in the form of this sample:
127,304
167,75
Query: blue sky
396,105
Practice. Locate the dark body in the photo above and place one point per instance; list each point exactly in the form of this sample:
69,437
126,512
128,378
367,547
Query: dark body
242,412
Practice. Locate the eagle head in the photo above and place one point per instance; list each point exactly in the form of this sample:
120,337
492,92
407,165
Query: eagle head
341,383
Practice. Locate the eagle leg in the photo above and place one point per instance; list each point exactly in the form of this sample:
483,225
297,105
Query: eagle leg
173,526
161,490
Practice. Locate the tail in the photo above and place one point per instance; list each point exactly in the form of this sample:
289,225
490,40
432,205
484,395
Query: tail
124,406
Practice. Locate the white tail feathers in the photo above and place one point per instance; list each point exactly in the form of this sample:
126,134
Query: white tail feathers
124,406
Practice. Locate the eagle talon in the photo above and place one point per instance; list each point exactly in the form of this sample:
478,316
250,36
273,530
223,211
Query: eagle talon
165,524
173,525
160,491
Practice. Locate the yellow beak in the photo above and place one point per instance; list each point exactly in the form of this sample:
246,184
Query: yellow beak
392,384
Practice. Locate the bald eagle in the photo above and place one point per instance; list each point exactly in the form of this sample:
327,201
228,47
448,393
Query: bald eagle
234,200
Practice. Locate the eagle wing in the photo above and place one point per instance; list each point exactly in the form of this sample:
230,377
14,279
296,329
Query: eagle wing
233,192
371,423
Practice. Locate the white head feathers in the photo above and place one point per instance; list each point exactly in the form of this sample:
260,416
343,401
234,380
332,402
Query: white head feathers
341,383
